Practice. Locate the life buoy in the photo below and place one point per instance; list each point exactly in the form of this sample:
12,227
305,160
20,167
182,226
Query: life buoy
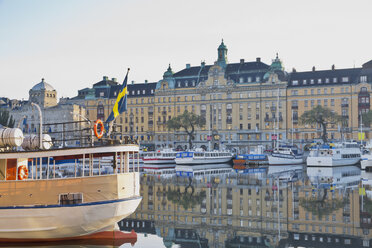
96,124
22,172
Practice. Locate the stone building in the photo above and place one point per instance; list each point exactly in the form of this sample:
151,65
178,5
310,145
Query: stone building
61,115
244,103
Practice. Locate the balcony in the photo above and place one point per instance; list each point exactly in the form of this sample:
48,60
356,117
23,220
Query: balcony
150,123
294,106
344,105
163,112
273,109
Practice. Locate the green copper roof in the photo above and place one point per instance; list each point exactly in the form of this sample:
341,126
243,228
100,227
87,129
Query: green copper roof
168,73
276,64
222,46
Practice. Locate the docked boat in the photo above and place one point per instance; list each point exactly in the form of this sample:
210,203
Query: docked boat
338,154
254,157
37,206
286,155
160,159
199,156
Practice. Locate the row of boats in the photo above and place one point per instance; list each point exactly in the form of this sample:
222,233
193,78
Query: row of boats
331,154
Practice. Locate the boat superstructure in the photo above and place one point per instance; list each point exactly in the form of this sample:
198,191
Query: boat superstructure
160,158
37,204
199,156
337,154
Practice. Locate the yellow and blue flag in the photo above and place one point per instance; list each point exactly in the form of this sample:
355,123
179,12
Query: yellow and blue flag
121,101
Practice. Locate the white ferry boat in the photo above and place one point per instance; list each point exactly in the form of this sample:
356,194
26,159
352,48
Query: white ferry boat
38,206
203,171
199,156
286,155
338,154
159,159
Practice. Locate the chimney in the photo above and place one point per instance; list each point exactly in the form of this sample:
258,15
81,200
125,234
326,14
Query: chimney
146,81
202,63
294,69
313,68
333,67
113,79
258,59
105,78
188,66
132,81
241,61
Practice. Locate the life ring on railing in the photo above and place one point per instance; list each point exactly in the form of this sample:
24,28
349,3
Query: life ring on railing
22,172
95,128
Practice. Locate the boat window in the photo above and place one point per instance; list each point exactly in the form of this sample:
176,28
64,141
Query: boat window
70,198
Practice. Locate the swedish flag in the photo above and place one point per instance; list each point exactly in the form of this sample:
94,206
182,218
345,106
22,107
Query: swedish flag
121,101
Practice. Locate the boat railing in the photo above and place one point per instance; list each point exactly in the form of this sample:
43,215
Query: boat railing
81,134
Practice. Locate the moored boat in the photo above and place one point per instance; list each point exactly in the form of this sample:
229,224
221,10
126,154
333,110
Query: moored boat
286,155
337,154
165,156
199,156
38,206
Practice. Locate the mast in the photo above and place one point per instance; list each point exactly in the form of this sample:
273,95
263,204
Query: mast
277,123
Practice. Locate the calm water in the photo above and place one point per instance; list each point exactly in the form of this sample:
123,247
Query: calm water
276,206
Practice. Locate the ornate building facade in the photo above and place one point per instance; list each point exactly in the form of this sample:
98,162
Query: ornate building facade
244,104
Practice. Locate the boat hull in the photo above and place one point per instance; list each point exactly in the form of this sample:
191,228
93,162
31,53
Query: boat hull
273,160
329,161
193,161
158,161
56,222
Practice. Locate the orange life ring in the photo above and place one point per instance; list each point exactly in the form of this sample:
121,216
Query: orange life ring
22,172
100,134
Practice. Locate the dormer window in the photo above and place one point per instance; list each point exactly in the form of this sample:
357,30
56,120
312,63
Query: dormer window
319,80
179,84
115,93
143,91
295,82
193,82
258,79
345,79
249,79
152,91
304,82
241,80
186,83
133,92
311,81
327,80
335,80
102,94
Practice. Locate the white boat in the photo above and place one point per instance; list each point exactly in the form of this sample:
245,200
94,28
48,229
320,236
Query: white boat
337,154
286,155
366,159
199,156
38,206
165,156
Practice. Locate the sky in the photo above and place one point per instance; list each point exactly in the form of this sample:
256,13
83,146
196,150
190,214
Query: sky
74,43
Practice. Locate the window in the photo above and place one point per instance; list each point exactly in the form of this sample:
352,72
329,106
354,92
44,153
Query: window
363,79
318,92
319,81
295,82
335,80
312,91
257,79
332,102
325,102
306,103
325,91
332,91
345,79
327,80
311,81
304,82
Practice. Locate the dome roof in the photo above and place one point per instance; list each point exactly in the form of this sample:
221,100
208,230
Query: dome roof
42,86
168,73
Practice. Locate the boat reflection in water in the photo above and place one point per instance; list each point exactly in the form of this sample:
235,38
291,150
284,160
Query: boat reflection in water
286,207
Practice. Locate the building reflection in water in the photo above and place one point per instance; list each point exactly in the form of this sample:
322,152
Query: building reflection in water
277,207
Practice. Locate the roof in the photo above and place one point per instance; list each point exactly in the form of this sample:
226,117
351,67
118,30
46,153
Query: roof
42,86
350,75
